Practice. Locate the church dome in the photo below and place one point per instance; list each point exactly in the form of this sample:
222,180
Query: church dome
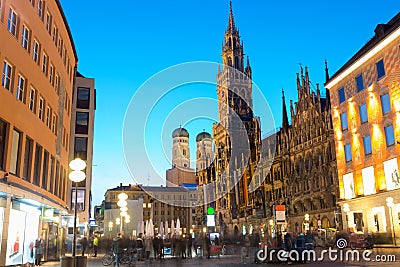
180,132
203,135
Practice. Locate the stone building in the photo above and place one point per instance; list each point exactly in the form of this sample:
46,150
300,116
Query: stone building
303,175
365,94
296,166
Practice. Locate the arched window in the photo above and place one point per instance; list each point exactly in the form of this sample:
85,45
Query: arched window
230,61
234,42
236,62
184,152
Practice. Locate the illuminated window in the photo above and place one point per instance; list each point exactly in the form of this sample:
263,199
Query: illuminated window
389,134
343,120
51,74
48,116
12,22
385,101
347,150
368,177
15,152
36,51
360,83
348,184
48,22
367,145
391,174
363,113
41,109
32,99
6,77
44,64
25,38
380,68
20,88
40,8
55,34
342,96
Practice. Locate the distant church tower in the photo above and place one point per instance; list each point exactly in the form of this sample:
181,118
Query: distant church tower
180,148
180,171
204,155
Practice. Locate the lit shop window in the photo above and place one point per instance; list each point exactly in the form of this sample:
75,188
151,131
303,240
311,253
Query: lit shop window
368,177
348,183
391,174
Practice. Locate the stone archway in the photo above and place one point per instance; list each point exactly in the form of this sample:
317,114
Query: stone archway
236,232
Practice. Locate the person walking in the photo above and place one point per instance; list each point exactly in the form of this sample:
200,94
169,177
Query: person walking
148,247
208,246
255,243
189,246
132,251
38,251
84,243
95,245
243,251
139,247
117,248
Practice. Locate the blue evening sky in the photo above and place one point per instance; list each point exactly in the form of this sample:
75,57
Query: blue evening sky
122,44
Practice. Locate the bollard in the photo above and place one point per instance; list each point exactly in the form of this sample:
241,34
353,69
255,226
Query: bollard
66,261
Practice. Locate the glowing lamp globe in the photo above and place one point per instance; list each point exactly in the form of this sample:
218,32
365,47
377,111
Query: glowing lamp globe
77,164
123,209
122,196
122,203
123,213
77,176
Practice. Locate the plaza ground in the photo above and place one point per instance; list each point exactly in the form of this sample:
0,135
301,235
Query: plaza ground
235,260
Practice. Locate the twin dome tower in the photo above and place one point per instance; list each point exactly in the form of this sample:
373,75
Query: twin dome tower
181,173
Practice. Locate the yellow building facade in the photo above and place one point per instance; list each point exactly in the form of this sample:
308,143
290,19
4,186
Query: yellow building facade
365,98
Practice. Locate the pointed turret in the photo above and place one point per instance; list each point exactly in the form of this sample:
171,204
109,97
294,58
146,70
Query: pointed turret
291,110
328,98
231,20
248,68
298,85
285,120
326,71
232,49
306,81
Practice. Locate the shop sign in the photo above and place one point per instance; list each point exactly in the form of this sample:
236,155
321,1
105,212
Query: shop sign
280,214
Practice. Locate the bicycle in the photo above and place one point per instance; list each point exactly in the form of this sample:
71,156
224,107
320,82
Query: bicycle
91,252
110,258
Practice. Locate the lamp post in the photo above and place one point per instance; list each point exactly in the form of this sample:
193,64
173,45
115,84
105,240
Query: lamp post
306,224
346,209
77,175
122,205
390,204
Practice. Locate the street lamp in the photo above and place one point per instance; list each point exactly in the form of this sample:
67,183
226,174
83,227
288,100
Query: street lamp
346,209
77,175
306,224
390,204
123,207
